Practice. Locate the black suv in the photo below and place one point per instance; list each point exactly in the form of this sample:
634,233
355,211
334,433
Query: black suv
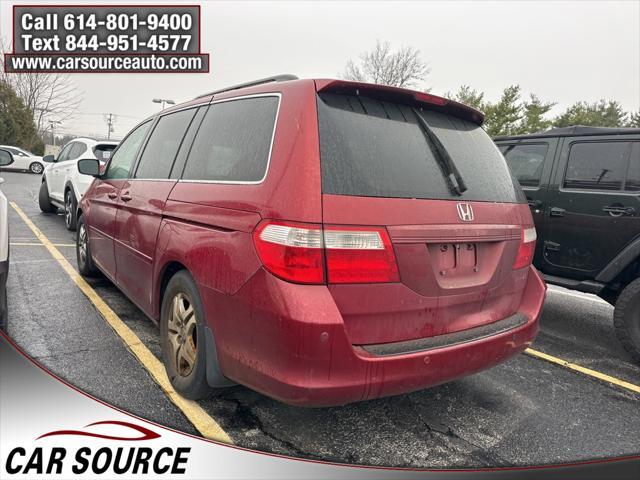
583,187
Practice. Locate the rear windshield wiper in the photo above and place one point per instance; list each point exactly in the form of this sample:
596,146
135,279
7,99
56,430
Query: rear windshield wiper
451,173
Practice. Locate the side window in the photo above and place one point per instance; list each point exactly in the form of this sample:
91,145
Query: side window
183,151
77,150
14,151
632,183
597,165
123,158
64,154
158,156
234,141
526,161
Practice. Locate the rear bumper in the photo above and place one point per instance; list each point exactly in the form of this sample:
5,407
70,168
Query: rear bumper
289,342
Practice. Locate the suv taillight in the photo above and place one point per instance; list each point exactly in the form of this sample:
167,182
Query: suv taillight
527,248
298,252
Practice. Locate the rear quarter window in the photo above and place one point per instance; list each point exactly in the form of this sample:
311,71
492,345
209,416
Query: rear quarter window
526,161
233,143
378,149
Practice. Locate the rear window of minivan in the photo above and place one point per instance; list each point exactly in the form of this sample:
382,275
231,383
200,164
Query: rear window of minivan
374,148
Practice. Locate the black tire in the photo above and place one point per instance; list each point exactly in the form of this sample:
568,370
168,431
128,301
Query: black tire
626,319
86,266
190,383
44,201
70,210
36,168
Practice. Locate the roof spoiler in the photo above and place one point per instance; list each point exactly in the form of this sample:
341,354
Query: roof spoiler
276,78
402,95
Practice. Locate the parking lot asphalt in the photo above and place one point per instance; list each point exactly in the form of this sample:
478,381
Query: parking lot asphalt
523,412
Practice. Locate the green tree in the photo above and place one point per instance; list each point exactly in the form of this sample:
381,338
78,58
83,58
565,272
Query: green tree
504,116
468,96
634,120
510,115
534,115
16,121
603,113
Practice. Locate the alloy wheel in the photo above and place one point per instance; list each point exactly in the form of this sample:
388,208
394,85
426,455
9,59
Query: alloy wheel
68,209
182,333
82,244
36,168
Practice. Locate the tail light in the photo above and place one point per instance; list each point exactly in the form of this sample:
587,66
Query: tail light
291,251
298,253
359,255
527,248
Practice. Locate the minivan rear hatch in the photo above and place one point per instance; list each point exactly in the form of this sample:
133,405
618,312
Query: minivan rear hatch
428,174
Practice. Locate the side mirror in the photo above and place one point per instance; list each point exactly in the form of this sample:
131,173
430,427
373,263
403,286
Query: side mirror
49,159
89,166
6,158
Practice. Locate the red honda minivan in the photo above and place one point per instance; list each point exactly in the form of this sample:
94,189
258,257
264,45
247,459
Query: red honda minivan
319,241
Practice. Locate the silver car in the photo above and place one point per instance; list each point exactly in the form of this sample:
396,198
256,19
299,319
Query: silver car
6,158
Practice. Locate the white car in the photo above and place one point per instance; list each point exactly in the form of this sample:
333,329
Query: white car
24,160
6,159
62,184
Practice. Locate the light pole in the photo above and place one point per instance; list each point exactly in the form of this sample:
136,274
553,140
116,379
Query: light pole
52,124
163,101
110,118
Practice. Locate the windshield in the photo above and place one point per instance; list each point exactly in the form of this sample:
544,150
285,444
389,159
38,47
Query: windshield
374,148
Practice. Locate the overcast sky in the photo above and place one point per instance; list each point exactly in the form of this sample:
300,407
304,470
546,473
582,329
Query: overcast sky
562,51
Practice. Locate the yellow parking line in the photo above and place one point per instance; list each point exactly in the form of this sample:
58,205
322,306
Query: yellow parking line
26,244
200,419
584,370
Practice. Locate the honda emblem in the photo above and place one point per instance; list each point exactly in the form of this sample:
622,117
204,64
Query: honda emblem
465,212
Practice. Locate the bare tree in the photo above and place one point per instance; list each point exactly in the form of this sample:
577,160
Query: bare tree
47,95
399,68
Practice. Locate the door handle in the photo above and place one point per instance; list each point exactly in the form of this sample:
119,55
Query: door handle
112,195
557,212
125,197
617,211
534,203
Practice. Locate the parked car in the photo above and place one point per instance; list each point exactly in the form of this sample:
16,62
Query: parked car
583,186
6,159
62,185
24,160
319,241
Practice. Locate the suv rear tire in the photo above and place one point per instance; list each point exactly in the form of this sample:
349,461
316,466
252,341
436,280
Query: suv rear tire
70,210
44,201
626,319
86,267
182,333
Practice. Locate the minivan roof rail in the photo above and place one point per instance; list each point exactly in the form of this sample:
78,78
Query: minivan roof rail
276,78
